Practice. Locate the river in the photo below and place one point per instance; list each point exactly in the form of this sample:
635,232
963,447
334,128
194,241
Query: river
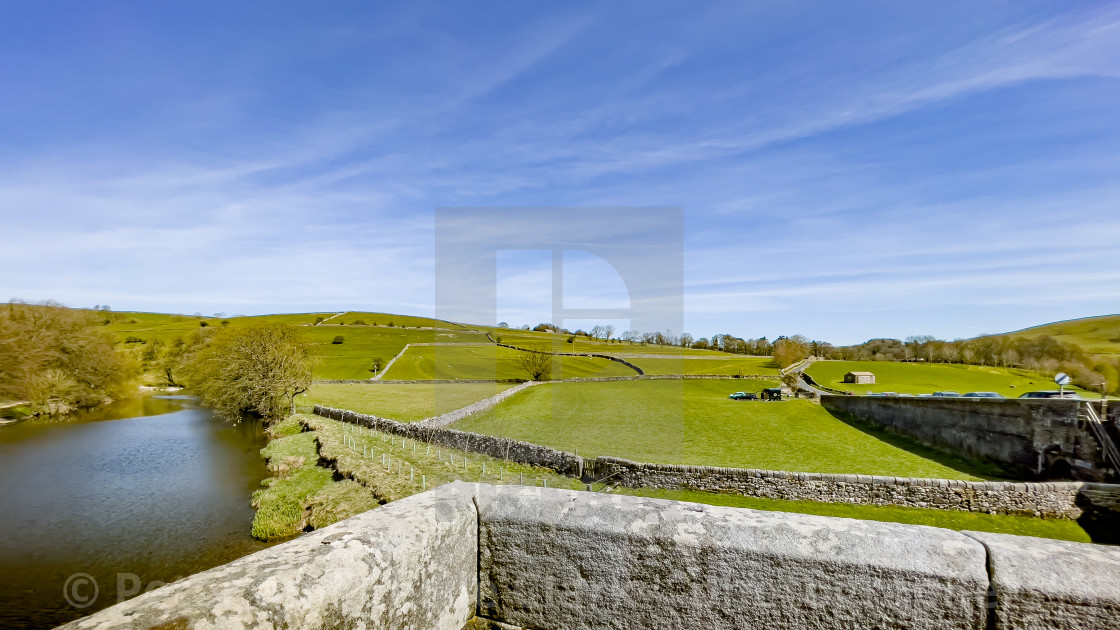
111,502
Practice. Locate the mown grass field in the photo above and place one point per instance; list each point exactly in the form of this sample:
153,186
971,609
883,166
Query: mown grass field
926,378
693,422
381,467
404,403
1096,335
489,362
1017,525
728,365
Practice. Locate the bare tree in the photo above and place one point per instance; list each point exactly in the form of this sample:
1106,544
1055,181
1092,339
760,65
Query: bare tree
537,364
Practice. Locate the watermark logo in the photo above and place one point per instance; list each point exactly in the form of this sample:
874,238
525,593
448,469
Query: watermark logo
80,590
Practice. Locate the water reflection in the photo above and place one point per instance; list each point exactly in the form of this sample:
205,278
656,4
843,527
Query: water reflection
156,487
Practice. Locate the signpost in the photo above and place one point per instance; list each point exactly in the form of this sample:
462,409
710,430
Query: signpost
1062,379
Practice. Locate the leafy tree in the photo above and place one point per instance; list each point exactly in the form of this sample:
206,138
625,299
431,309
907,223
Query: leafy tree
58,358
255,370
338,339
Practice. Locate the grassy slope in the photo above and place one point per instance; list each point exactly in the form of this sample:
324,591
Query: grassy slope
693,422
1097,335
922,378
302,493
396,468
311,497
489,362
353,358
1018,525
726,364
404,403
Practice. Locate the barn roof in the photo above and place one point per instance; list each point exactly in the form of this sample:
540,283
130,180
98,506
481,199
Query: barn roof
862,373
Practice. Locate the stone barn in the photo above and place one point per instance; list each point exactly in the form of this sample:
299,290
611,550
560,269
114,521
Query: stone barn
860,378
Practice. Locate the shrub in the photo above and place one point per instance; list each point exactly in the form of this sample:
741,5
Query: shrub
358,322
225,322
131,339
203,324
338,339
318,320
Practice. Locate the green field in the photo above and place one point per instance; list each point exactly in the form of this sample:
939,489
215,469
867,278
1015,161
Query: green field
729,365
1017,525
404,403
926,378
349,318
1095,335
489,362
353,358
553,342
693,422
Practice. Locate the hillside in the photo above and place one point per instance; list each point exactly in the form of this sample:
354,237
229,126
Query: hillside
1096,335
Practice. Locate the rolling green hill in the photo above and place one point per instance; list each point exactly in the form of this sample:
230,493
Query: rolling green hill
1096,335
926,378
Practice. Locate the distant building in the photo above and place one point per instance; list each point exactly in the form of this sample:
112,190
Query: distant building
860,378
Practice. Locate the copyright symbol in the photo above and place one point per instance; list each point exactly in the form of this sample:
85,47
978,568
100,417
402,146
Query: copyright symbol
80,590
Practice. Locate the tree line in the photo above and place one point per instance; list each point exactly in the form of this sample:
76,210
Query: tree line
1038,354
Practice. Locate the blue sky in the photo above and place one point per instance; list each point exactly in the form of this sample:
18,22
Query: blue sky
846,170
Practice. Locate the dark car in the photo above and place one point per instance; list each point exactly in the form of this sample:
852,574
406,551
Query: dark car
1052,394
983,395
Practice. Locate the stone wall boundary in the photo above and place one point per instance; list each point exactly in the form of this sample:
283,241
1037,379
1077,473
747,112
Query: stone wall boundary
451,417
1067,500
628,364
1054,500
502,448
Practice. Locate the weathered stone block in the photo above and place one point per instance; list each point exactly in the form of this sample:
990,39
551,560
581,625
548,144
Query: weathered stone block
1042,584
409,564
560,559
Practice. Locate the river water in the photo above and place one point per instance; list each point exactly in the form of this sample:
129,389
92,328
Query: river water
111,502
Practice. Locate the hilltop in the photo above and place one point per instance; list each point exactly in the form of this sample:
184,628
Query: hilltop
1095,335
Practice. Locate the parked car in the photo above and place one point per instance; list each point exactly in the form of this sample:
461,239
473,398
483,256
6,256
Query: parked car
983,395
946,394
743,396
1052,394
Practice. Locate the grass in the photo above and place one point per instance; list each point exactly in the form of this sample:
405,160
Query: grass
404,403
353,358
725,364
384,319
1002,524
553,342
468,361
1095,335
693,422
384,467
926,378
395,468
301,493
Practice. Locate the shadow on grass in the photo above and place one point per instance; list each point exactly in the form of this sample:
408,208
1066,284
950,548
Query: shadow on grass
988,470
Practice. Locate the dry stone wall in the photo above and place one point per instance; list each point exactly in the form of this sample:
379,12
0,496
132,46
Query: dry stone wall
503,448
1062,500
1029,437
